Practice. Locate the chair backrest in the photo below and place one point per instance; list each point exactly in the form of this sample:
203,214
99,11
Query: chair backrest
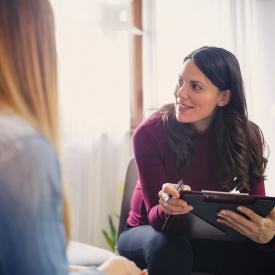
130,183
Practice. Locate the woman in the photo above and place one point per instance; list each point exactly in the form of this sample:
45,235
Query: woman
206,139
32,233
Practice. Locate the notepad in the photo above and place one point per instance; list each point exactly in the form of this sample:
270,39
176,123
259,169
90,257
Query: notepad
202,221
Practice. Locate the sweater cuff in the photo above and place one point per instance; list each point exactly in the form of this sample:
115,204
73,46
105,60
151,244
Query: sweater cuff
157,217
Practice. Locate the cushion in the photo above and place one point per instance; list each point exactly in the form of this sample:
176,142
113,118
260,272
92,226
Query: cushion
86,255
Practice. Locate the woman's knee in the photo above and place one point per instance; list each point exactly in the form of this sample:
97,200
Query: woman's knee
169,255
162,254
161,242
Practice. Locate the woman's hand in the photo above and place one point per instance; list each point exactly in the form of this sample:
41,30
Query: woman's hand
174,205
256,228
118,265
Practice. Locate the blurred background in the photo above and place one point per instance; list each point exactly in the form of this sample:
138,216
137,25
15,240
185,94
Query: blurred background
118,62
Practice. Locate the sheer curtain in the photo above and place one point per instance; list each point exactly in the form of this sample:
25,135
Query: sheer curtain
174,28
93,49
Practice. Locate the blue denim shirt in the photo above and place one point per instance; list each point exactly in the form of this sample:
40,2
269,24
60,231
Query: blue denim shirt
32,238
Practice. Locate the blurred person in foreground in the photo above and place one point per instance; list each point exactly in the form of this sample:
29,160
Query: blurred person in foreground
34,215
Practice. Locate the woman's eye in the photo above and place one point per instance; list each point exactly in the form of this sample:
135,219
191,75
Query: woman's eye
196,87
180,82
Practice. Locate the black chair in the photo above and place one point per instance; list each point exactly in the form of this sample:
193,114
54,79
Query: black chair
130,183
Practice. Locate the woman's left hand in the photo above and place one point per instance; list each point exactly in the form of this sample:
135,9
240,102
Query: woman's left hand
255,227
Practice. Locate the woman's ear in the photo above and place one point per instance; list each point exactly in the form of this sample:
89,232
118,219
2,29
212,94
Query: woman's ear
225,97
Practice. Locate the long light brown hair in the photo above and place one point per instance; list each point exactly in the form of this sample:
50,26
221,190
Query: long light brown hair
28,68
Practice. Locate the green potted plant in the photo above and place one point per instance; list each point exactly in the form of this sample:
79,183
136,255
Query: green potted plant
110,236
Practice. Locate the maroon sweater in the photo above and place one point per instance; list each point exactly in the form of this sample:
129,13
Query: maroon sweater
156,164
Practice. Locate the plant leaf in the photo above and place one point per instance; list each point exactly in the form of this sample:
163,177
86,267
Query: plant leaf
112,229
108,239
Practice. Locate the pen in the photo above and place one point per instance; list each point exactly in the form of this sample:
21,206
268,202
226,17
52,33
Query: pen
178,187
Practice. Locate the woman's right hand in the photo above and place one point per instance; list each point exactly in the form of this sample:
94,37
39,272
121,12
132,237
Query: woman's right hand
118,265
174,205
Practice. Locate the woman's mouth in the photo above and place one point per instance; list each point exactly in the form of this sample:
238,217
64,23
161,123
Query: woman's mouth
184,107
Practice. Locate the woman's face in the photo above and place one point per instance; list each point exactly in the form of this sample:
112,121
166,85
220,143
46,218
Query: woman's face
197,97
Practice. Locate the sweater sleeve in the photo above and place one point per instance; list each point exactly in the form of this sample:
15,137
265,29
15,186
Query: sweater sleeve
148,152
258,188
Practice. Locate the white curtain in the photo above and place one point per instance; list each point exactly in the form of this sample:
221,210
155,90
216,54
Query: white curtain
172,29
94,81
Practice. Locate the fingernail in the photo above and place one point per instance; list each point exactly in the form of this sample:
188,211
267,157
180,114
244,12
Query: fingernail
166,197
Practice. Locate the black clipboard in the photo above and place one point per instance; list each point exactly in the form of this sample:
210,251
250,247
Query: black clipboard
201,221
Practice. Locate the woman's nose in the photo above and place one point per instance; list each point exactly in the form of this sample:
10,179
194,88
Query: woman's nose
183,92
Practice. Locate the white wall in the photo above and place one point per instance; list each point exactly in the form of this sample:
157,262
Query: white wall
94,85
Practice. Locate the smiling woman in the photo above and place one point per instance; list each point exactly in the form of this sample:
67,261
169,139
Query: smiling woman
206,139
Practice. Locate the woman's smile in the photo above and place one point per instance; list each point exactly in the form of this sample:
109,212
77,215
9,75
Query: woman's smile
184,107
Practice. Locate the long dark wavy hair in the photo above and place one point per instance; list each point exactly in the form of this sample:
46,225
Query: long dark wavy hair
240,142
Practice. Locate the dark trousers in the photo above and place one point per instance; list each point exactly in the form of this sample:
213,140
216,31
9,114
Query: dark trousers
176,255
